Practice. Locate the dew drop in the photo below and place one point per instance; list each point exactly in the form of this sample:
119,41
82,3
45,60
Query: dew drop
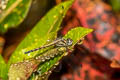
66,54
56,63
43,60
52,56
15,64
18,78
47,58
27,61
48,40
28,54
6,26
54,67
36,40
4,6
54,16
43,77
61,11
46,73
50,71
37,58
48,63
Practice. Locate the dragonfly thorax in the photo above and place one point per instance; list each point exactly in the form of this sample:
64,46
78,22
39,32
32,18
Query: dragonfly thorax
69,42
64,43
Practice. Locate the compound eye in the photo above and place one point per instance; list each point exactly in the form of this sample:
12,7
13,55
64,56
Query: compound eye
69,42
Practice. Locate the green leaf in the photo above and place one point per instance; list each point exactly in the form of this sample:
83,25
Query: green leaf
115,5
40,34
45,29
75,34
3,69
45,66
14,14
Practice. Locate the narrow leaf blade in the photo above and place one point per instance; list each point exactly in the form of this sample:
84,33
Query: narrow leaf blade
3,68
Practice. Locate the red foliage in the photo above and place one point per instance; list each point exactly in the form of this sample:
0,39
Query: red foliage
104,41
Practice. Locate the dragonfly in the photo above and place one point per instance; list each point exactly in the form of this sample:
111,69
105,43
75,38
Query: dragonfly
59,42
61,45
28,67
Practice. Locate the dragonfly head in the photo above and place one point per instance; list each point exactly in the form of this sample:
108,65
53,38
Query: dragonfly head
69,42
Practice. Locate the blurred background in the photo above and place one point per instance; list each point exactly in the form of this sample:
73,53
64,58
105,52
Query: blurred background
98,58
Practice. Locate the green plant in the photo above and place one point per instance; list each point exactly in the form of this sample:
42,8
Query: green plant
115,5
45,29
14,14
